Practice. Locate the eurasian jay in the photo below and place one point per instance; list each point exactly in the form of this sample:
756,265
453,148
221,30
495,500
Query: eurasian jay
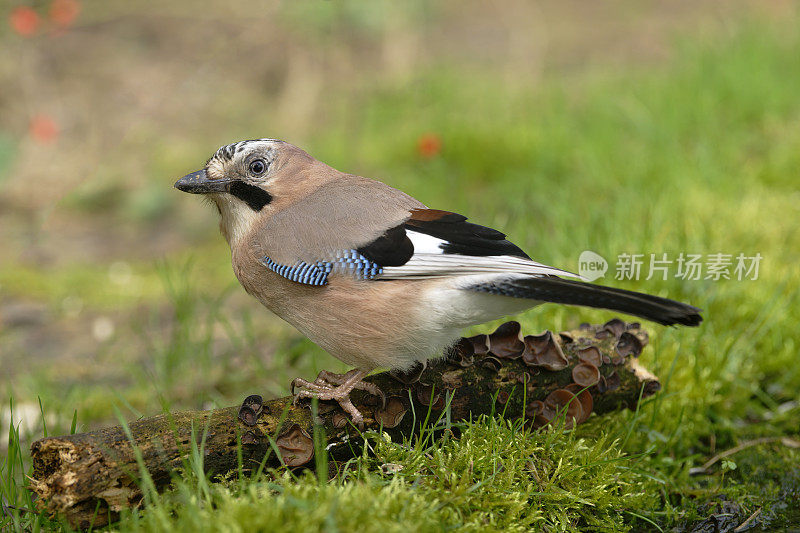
371,274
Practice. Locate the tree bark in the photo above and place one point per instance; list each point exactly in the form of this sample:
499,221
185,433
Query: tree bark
89,477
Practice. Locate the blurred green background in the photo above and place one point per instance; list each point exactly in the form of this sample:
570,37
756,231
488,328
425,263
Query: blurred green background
618,127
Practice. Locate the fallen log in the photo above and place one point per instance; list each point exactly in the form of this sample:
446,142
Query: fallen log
89,477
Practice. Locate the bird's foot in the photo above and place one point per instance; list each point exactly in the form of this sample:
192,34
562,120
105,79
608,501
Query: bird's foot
330,386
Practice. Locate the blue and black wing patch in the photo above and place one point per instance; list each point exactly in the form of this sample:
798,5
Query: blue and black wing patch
394,248
307,273
347,262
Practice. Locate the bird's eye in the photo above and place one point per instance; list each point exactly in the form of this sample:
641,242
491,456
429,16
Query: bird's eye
258,167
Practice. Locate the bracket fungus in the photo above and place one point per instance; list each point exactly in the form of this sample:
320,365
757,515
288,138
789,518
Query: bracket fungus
392,414
251,408
543,350
254,402
480,344
564,402
503,397
629,344
249,438
585,374
426,396
339,420
492,363
615,327
534,408
590,355
462,353
296,446
585,397
566,337
247,416
505,342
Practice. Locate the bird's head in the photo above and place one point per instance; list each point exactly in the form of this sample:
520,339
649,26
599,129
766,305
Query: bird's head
249,179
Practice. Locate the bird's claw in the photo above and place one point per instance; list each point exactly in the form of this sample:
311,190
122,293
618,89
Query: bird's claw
330,386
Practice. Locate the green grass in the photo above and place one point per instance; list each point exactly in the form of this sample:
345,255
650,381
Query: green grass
699,155
495,476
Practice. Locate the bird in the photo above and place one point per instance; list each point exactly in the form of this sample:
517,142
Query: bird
372,275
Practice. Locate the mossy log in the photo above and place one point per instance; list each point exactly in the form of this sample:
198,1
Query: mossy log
89,477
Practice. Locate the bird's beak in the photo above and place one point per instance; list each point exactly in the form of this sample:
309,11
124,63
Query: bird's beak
198,183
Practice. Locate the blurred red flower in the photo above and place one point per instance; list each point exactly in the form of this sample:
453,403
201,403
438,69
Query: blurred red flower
24,21
43,129
429,145
64,12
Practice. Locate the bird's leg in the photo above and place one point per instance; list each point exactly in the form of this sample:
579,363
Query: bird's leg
323,389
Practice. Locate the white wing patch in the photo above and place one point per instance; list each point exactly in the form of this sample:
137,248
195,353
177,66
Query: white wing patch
425,244
436,265
430,261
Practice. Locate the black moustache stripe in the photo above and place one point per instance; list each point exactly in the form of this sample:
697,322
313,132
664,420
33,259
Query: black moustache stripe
253,196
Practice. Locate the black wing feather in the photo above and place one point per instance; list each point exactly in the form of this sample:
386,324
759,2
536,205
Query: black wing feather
393,248
462,237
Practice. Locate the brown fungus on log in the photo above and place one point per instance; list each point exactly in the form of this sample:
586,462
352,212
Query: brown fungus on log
505,342
566,337
562,400
427,397
296,446
615,326
534,408
502,397
585,374
544,417
629,344
339,420
480,344
249,438
492,363
462,353
254,402
591,355
543,350
393,414
248,416
538,343
585,397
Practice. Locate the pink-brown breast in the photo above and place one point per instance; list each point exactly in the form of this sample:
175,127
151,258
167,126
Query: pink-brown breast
367,324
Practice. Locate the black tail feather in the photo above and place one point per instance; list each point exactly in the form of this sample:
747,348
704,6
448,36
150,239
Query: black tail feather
570,292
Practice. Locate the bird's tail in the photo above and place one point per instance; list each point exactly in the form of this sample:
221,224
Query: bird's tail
564,291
